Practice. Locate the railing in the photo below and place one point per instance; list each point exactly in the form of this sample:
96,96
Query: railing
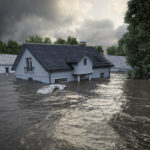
29,71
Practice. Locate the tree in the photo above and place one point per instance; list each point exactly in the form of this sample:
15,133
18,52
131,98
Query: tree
121,50
13,47
2,47
60,41
38,39
112,50
71,41
34,39
137,39
99,49
47,40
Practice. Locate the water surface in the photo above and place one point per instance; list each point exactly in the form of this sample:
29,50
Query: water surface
102,114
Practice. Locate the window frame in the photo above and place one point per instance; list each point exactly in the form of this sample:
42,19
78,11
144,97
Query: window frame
6,69
61,80
29,64
102,75
85,61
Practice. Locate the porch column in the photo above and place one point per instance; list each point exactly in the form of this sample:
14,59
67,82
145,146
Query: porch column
78,78
90,76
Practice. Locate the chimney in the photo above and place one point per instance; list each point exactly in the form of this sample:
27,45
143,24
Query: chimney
82,43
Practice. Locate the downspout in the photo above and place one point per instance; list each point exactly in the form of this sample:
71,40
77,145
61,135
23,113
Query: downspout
109,71
50,77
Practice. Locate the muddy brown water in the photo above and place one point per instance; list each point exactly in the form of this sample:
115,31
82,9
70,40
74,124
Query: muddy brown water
108,114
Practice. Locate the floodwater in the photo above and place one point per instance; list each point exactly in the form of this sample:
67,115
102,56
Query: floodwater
102,114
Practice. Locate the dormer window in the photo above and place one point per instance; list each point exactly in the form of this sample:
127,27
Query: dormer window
85,61
29,64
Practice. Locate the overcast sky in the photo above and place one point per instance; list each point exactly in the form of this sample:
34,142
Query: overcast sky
93,21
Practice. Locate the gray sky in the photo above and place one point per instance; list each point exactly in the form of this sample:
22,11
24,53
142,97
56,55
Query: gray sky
93,21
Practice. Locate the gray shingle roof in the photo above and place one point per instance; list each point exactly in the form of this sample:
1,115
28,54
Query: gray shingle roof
119,62
59,57
6,59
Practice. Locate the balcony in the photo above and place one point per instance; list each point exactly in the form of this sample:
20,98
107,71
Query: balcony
27,71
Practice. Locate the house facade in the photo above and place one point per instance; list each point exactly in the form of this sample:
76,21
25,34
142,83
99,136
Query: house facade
60,63
6,62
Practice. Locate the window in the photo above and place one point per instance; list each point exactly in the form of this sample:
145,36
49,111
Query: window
29,64
85,61
61,80
101,75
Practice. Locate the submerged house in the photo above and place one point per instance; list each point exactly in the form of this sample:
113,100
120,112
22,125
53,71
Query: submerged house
6,62
119,62
60,63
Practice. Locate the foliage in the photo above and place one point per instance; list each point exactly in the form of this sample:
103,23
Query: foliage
71,41
2,48
137,40
60,41
34,39
47,40
38,39
99,49
112,50
11,47
121,50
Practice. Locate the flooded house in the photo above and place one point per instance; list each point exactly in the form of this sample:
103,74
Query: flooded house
60,63
6,62
119,62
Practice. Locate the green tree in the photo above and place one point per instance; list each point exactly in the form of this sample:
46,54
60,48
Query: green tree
71,41
121,50
99,49
60,41
13,47
112,50
34,39
47,40
137,39
3,48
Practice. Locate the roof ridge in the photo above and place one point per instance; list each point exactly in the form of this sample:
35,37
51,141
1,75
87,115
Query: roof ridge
54,44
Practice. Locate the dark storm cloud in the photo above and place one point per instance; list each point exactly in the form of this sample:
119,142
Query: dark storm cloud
13,13
21,18
100,32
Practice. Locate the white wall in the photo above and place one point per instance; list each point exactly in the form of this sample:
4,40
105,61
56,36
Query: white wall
3,69
97,71
40,74
80,68
64,74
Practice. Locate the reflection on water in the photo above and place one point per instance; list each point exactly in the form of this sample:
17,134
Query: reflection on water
133,122
108,114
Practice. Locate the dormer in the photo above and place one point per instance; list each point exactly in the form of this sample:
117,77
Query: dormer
84,66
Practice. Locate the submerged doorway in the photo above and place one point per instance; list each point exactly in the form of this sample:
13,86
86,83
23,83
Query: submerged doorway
101,75
6,69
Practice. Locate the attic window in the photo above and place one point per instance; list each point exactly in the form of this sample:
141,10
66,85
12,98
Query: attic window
85,61
29,64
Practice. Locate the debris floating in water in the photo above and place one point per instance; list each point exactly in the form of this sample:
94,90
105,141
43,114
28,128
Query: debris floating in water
51,88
